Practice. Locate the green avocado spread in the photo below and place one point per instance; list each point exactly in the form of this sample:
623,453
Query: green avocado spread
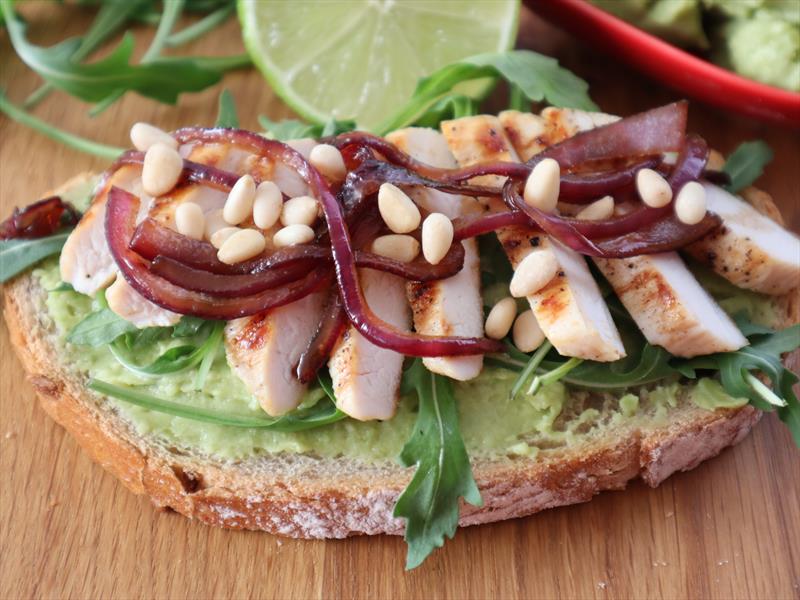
492,424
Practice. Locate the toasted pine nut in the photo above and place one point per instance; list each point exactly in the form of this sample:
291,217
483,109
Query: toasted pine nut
398,247
214,222
543,185
267,205
599,209
220,235
653,188
292,235
437,237
161,170
241,245
144,135
301,210
189,220
527,334
328,160
690,205
533,273
397,209
500,318
239,204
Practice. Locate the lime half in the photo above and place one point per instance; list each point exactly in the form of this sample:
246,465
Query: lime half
361,59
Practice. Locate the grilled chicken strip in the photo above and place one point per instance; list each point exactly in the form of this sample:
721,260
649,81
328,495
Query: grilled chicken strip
570,309
450,306
750,250
663,297
366,378
263,351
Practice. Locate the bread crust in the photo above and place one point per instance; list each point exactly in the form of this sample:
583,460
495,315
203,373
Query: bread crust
308,497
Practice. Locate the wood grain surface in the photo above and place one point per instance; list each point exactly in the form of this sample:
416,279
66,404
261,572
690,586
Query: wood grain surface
728,529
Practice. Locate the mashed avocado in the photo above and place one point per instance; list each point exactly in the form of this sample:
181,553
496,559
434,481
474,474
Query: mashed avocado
759,39
491,422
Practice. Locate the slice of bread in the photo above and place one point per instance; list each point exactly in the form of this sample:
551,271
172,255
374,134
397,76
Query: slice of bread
306,496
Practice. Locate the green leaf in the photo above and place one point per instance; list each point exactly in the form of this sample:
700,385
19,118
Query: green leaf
452,106
18,254
322,413
746,164
226,114
62,287
161,79
537,77
99,328
430,502
188,326
203,26
292,129
59,135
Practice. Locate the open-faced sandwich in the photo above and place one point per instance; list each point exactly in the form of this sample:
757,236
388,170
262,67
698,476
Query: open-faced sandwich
529,309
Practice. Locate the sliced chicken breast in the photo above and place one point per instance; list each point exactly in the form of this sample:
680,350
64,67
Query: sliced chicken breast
450,306
663,297
366,378
132,306
570,309
263,351
750,250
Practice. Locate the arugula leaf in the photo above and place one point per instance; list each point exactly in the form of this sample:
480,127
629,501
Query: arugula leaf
18,254
537,77
430,502
226,114
292,129
162,79
203,26
59,135
188,326
322,413
98,328
746,164
208,353
452,106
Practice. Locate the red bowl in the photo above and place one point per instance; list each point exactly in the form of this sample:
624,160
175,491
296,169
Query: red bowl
670,65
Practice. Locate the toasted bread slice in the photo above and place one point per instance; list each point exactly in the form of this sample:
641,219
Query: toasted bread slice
304,496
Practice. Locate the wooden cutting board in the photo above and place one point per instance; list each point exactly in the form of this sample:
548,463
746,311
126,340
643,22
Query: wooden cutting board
728,529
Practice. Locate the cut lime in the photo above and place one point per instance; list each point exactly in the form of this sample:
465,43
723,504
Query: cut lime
361,59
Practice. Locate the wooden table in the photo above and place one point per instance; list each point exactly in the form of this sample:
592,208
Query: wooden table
730,528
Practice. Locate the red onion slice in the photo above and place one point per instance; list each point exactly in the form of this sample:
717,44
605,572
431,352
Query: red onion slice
331,326
474,225
40,219
649,133
120,223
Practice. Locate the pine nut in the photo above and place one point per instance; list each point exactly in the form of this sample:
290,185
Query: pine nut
653,188
527,334
189,220
241,245
597,210
301,210
437,236
292,235
543,185
267,205
144,135
397,209
220,235
398,247
533,273
328,160
500,318
214,222
161,170
239,204
690,205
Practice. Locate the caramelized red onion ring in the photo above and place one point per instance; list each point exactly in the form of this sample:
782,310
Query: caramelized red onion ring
40,219
121,212
361,316
331,326
474,225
